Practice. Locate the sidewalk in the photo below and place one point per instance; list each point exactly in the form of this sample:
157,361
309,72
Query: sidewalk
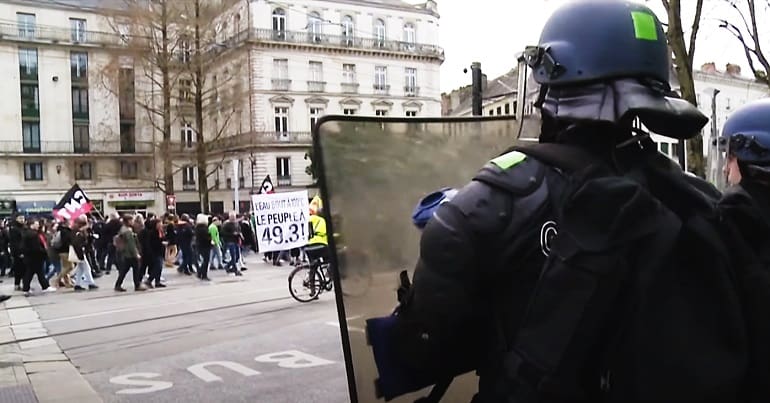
37,370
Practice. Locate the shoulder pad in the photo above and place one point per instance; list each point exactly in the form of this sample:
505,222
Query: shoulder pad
513,172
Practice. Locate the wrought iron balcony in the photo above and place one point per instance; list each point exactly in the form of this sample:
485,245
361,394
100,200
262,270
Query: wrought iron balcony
75,148
261,139
189,186
41,34
284,180
380,89
281,84
411,91
350,88
343,41
316,86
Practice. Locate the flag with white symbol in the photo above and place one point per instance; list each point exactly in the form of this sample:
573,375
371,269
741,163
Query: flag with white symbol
267,186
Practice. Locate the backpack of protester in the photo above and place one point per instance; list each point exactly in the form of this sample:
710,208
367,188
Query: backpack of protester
638,300
119,243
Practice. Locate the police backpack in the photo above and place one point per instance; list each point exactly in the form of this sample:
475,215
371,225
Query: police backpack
640,299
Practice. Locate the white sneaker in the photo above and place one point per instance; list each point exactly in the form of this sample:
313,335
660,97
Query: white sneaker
50,289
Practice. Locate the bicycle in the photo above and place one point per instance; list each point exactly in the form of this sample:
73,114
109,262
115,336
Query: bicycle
313,277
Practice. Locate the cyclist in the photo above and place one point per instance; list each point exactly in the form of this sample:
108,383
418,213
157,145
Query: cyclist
318,244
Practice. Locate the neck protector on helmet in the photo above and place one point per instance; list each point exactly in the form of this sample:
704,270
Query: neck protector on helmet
623,100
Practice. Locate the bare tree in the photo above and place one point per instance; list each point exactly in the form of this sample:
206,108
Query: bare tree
749,37
208,77
683,62
149,32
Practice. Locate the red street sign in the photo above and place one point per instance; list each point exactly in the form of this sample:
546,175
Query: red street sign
170,202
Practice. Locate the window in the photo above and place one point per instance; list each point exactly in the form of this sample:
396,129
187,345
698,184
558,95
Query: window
282,120
315,114
499,110
349,111
349,73
314,26
281,69
664,148
282,167
507,109
126,98
491,112
380,112
27,25
80,103
129,169
33,171
30,100
28,63
410,34
410,86
83,171
316,71
79,66
380,78
348,30
411,114
185,50
80,138
78,30
187,136
279,23
127,139
188,175
185,91
31,136
379,32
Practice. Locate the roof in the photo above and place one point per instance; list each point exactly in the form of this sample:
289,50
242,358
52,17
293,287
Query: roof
500,86
73,4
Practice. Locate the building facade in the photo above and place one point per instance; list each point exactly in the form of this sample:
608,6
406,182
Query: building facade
313,58
71,122
59,124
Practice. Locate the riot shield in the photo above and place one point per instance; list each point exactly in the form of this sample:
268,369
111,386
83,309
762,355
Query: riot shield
372,174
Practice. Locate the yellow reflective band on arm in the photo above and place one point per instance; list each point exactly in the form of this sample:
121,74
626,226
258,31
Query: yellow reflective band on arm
506,161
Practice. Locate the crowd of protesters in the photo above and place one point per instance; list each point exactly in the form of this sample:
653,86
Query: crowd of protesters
64,256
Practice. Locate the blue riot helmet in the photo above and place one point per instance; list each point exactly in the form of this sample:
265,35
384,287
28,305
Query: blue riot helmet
747,133
428,205
608,61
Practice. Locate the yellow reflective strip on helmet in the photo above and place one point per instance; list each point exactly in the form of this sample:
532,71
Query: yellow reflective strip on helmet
506,161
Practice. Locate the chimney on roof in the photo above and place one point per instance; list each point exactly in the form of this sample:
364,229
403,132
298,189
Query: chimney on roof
709,68
733,70
431,5
484,83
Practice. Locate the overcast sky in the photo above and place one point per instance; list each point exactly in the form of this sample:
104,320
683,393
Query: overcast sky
492,31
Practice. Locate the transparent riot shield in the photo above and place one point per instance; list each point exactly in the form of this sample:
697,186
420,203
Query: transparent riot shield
373,173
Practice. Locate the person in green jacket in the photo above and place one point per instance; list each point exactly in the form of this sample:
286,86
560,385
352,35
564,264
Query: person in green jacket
216,248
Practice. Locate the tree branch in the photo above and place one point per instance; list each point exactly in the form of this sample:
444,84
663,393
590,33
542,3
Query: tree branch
694,33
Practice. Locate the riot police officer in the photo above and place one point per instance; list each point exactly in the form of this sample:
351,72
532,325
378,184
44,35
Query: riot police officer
601,64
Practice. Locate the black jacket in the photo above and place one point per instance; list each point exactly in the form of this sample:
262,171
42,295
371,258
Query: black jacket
79,243
184,235
202,237
14,237
66,239
32,247
231,232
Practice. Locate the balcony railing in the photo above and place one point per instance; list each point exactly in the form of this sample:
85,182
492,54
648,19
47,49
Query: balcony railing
189,186
411,91
26,33
284,180
281,84
257,139
350,88
70,147
299,37
380,89
316,86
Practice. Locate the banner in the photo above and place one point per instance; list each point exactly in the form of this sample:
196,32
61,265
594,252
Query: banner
281,220
74,204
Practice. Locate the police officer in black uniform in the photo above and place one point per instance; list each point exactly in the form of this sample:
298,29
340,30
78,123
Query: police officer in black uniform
601,64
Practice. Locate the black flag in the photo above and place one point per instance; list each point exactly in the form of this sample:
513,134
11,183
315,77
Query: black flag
267,186
74,204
